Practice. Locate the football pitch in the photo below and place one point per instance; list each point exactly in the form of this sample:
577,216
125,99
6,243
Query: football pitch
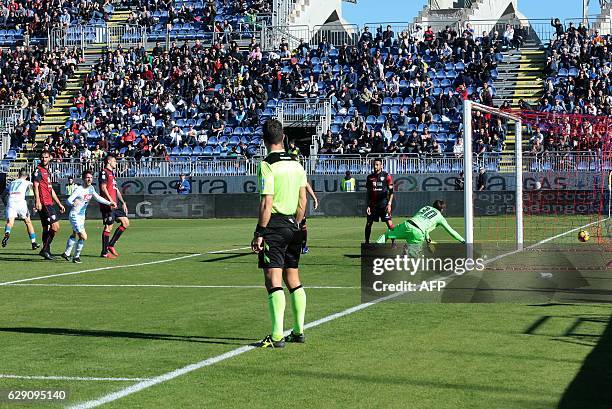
169,323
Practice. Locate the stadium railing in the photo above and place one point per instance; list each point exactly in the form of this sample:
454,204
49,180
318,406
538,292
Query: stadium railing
339,34
90,35
281,9
566,161
303,110
5,143
399,27
157,167
401,163
335,34
536,29
271,36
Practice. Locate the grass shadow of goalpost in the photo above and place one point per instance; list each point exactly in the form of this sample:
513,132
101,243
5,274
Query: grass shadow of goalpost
591,386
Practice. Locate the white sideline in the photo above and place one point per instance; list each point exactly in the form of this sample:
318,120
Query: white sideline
71,378
239,351
310,287
91,270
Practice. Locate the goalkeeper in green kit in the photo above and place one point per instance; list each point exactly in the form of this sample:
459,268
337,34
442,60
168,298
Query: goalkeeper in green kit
416,229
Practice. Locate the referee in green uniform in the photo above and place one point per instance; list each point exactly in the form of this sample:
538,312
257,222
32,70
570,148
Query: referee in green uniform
278,238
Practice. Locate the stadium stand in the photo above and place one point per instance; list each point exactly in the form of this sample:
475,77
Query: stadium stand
408,88
401,92
36,19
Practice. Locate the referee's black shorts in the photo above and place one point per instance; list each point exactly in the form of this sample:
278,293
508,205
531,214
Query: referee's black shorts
282,243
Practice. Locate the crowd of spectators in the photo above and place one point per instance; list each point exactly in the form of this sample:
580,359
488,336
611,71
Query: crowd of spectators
30,79
36,18
577,87
223,16
152,104
404,93
390,93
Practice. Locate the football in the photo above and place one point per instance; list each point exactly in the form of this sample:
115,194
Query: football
583,236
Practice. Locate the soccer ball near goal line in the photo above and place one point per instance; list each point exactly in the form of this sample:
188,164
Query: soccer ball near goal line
583,236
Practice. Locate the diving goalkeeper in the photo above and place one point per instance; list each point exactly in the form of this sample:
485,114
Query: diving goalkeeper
416,229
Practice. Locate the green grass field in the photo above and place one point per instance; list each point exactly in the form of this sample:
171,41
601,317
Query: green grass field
116,324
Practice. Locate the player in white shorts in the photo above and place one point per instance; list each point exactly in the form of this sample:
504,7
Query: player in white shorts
17,208
79,199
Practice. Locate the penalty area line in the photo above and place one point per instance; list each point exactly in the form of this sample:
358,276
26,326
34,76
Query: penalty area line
92,270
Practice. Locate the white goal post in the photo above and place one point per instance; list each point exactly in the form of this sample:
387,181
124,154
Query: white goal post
468,166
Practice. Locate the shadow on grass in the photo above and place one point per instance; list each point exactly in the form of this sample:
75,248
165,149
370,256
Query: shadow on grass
24,258
591,386
521,398
72,332
352,255
229,256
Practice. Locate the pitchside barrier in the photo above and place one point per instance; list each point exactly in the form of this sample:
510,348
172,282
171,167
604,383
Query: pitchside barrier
206,206
403,182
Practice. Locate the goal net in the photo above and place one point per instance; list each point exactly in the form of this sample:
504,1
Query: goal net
545,189
551,182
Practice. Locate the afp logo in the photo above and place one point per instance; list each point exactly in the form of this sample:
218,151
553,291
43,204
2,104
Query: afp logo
132,187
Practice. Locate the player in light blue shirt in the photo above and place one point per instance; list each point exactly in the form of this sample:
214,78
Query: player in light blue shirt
17,207
79,199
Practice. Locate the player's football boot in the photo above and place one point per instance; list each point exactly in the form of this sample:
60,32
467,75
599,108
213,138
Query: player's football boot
77,260
297,338
108,255
5,239
35,246
305,250
46,255
112,250
267,342
65,257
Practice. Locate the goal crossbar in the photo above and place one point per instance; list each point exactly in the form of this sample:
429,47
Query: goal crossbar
468,107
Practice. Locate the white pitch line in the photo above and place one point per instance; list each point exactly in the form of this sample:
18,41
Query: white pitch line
111,397
72,378
211,361
91,270
315,287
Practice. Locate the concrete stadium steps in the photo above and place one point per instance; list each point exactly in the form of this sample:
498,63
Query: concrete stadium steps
119,17
56,117
523,79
